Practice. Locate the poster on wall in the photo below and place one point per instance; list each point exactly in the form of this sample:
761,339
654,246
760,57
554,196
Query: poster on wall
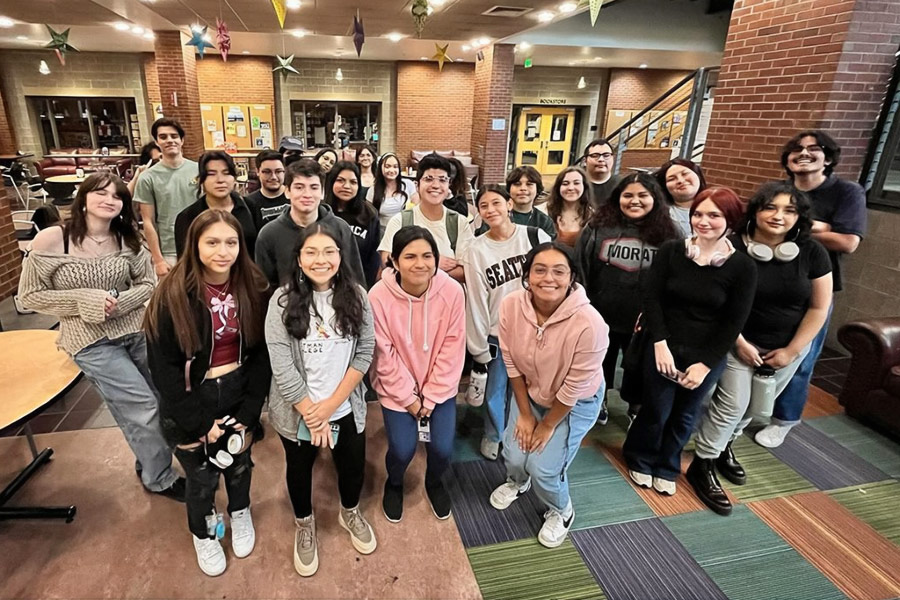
235,114
265,134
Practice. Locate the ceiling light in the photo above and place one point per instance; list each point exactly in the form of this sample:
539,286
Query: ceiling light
423,58
122,26
298,33
430,10
642,66
395,37
339,75
567,7
148,35
483,41
525,46
6,22
245,52
293,4
466,47
598,58
581,83
545,16
43,69
437,3
22,37
137,30
571,63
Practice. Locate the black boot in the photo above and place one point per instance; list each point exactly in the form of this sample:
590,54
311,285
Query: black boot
702,477
730,468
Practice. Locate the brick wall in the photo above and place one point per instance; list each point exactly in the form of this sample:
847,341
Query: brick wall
177,72
435,108
7,135
241,80
151,85
10,257
364,81
86,74
631,89
493,100
794,65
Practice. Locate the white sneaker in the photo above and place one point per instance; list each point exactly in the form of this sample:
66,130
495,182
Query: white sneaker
508,493
243,534
555,528
475,391
772,436
361,534
210,556
642,479
664,486
490,450
306,552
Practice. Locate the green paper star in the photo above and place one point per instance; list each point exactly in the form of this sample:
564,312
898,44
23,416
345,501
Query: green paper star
285,66
59,42
198,41
440,55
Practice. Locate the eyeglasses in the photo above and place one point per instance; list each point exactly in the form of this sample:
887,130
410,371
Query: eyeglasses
269,172
556,272
313,254
429,179
600,155
812,148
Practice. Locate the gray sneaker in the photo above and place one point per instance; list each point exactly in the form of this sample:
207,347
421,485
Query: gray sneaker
361,534
306,554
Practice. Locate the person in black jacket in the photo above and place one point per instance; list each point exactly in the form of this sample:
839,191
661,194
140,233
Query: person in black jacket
347,199
697,301
208,359
215,189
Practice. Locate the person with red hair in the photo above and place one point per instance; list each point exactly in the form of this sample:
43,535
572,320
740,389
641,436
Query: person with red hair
697,300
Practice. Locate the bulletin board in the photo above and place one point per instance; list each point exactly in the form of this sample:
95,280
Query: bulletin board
247,127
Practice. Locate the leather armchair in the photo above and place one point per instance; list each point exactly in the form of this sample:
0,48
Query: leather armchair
871,392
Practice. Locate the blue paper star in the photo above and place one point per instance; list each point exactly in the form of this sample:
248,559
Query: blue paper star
198,41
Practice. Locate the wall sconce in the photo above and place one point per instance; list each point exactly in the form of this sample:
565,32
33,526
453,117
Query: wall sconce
44,69
339,75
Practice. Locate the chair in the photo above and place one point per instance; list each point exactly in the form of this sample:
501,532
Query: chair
23,224
473,188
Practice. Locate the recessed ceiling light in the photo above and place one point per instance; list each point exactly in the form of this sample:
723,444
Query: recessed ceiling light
466,47
642,66
298,33
6,22
545,16
293,4
122,26
148,35
437,3
598,58
137,30
423,58
395,37
245,52
524,45
22,37
571,63
567,7
483,41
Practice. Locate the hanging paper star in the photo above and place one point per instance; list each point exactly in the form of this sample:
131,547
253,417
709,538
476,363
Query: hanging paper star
440,55
419,13
595,6
280,11
198,40
285,66
223,38
359,34
59,42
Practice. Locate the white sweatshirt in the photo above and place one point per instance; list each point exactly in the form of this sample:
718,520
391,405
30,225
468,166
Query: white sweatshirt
493,270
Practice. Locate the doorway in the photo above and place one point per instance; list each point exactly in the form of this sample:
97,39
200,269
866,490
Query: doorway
545,138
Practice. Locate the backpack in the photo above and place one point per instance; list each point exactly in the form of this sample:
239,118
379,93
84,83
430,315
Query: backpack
533,236
451,222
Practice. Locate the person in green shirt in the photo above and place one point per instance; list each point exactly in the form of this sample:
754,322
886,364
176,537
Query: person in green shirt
163,191
524,185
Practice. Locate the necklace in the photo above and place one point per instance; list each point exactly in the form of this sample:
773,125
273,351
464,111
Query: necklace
217,293
96,241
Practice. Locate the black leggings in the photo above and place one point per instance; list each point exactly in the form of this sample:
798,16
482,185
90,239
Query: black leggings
349,456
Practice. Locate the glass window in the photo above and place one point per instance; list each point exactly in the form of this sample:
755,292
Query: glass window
336,124
87,123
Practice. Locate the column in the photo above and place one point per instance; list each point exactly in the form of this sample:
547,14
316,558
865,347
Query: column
491,105
176,69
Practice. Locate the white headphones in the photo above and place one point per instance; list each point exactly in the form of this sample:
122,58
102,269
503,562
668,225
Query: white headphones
716,260
783,252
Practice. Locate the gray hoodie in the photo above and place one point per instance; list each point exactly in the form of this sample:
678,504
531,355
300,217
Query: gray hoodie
275,246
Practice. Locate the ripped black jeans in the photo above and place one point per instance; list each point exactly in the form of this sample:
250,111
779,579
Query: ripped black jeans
202,478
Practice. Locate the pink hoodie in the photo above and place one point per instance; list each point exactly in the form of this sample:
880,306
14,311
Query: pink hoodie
420,343
563,360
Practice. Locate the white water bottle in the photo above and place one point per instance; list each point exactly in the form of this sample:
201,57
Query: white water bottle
762,393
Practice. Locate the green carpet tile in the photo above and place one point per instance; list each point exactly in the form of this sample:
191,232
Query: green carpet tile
875,503
525,570
600,494
862,441
748,560
767,477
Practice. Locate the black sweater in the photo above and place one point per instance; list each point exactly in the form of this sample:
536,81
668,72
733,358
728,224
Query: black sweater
184,415
244,211
698,310
366,228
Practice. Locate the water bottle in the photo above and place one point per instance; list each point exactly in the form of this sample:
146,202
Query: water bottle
762,393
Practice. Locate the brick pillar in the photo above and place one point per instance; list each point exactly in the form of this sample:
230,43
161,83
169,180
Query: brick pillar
10,257
7,135
176,68
492,100
791,65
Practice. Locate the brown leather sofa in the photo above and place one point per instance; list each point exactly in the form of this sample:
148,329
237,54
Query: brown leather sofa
464,157
872,390
52,165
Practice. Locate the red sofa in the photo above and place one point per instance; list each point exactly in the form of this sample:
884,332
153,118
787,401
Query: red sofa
52,165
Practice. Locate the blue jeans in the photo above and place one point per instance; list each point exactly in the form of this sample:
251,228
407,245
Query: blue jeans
665,422
119,370
789,404
403,436
547,469
496,396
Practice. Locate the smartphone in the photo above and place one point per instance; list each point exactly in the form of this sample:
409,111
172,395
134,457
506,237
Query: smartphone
678,375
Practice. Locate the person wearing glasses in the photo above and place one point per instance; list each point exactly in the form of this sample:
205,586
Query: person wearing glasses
598,162
269,199
839,224
553,343
450,229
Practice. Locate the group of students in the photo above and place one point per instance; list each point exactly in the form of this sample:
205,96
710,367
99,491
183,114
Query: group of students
304,317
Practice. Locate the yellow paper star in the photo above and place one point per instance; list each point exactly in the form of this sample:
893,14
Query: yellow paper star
440,55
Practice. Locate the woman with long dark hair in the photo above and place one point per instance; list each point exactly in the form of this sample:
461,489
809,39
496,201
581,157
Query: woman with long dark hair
215,190
681,180
615,252
208,358
366,158
391,191
95,275
459,187
326,157
321,339
696,304
793,293
150,155
345,197
570,204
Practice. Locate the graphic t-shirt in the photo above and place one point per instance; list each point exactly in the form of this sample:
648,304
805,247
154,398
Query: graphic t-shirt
326,354
268,208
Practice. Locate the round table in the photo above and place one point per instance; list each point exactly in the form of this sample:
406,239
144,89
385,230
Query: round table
33,373
61,187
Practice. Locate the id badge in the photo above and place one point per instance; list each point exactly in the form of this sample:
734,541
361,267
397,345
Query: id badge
335,430
424,429
215,525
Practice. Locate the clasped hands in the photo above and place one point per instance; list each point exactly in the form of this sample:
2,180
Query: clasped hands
317,416
532,435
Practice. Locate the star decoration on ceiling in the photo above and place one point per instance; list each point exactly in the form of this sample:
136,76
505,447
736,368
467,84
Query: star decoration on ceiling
440,55
595,6
223,38
59,42
285,66
359,34
198,40
280,11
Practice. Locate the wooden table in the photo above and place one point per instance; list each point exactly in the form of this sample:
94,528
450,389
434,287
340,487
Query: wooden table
61,187
8,159
33,373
